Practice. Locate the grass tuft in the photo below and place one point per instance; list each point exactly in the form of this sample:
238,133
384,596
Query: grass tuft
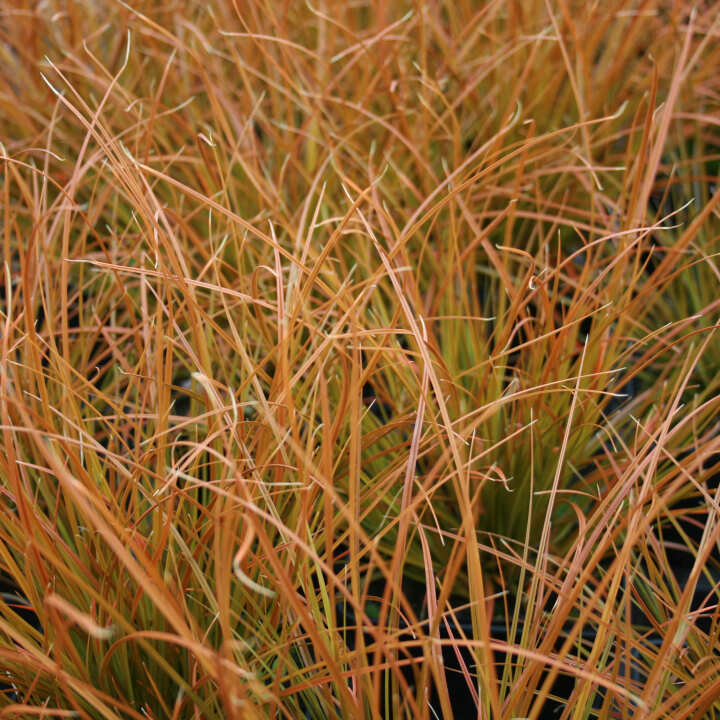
359,360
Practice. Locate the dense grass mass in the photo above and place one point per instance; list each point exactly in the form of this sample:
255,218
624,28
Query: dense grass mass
359,359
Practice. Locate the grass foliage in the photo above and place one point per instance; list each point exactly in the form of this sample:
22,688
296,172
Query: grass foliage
352,353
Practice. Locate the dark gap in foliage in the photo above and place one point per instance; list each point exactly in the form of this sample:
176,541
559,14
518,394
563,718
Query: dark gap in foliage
626,389
20,606
381,410
179,398
584,327
692,517
455,657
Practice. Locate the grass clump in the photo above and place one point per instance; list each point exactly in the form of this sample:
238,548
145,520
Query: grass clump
359,360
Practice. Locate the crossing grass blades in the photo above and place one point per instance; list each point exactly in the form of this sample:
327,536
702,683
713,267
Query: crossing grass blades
359,360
